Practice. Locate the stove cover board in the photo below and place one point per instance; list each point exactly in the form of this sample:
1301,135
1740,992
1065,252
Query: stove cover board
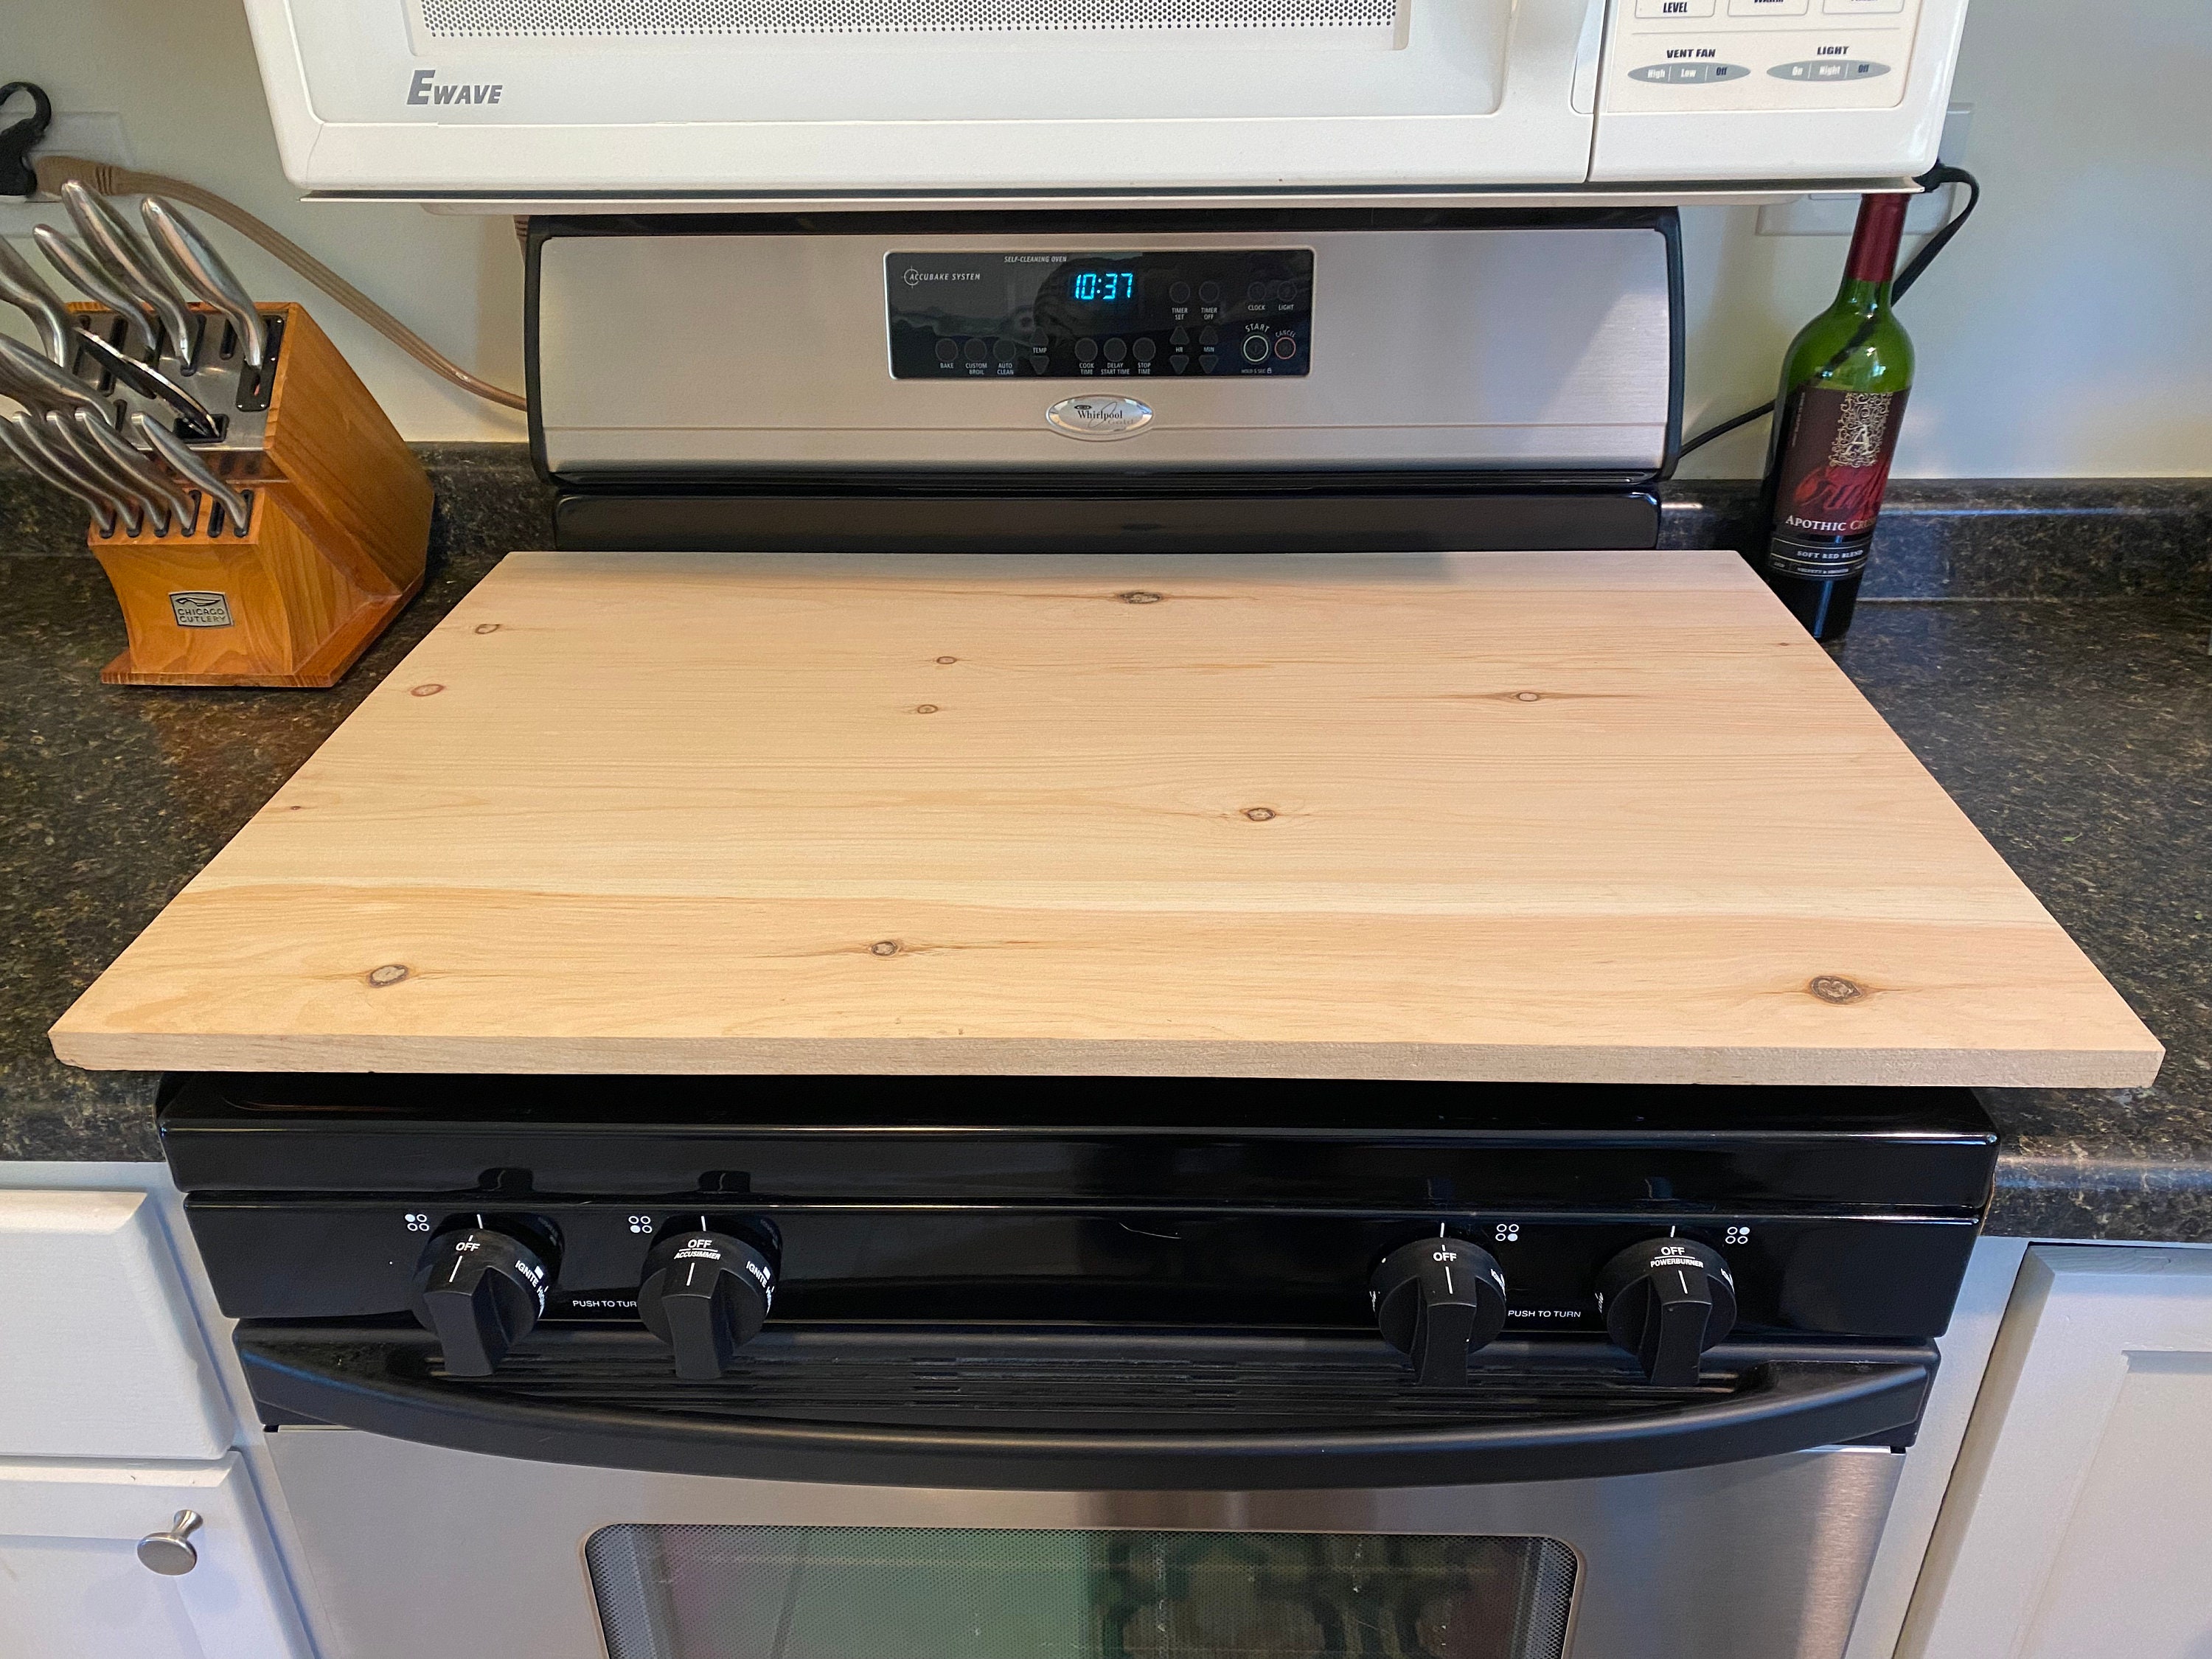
1574,818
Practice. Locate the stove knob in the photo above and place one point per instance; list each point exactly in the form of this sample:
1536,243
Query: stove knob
1438,1299
481,1289
1666,1300
706,1294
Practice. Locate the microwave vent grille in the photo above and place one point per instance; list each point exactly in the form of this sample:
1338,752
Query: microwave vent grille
539,19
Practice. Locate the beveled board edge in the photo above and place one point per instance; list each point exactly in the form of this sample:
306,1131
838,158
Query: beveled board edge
2001,1068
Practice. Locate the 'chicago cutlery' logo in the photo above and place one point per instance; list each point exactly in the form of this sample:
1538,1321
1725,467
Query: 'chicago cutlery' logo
1099,417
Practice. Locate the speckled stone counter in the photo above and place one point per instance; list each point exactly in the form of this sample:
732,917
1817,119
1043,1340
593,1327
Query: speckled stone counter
2078,732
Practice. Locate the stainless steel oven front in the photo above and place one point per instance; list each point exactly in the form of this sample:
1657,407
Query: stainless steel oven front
987,1369
418,1549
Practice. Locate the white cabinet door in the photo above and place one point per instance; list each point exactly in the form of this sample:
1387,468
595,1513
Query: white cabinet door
72,1586
2079,1519
101,1355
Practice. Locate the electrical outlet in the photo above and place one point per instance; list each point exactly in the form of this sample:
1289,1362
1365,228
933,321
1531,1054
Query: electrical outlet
96,135
1836,215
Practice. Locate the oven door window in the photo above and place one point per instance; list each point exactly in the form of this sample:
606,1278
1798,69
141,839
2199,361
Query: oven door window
704,1592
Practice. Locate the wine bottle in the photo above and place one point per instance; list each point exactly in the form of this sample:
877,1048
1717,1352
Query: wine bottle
1844,385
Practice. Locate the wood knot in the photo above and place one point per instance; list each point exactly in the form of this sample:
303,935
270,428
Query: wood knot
428,688
1528,696
925,708
487,628
885,947
1259,814
948,661
391,974
1834,988
1137,596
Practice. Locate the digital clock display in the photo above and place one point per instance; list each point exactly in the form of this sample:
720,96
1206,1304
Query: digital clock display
1105,286
1100,313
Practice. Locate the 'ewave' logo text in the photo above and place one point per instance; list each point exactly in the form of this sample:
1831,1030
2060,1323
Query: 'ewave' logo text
427,89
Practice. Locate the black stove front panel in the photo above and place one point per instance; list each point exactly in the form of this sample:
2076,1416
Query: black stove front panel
1864,1276
1152,1202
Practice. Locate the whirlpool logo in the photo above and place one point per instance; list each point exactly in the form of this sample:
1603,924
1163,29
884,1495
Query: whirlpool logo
427,89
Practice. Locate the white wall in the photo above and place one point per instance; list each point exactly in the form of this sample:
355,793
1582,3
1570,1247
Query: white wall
2068,332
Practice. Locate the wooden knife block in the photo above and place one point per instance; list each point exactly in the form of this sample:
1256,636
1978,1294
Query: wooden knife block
334,548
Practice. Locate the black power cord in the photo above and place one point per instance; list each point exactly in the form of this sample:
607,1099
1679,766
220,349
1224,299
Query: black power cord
1935,179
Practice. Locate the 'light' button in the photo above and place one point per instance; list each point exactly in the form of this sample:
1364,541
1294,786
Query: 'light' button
1674,8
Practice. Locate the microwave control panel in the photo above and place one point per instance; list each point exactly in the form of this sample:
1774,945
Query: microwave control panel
1077,315
1665,56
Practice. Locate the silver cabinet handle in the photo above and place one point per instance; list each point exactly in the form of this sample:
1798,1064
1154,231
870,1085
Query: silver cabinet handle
171,1553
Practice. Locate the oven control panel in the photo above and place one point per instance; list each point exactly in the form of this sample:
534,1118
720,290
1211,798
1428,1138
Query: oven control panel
1064,314
705,1279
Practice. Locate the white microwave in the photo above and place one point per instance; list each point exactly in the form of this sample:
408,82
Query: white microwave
615,101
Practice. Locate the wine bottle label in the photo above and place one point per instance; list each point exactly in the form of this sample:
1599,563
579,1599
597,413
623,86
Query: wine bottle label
1835,461
1819,562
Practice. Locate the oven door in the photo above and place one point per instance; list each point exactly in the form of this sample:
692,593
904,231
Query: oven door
1080,1492
420,1549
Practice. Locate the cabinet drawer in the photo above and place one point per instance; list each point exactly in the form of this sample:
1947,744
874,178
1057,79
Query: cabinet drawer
72,1582
100,1353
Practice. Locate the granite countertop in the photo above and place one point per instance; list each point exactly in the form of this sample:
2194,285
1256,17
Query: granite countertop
2076,733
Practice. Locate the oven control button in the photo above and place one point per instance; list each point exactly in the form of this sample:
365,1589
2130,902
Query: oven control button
1666,1300
1438,1299
481,1289
705,1294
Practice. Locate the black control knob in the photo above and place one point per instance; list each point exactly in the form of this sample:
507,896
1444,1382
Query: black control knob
705,1294
1438,1299
1666,1300
481,1289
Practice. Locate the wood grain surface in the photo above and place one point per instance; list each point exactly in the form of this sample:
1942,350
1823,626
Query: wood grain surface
1607,816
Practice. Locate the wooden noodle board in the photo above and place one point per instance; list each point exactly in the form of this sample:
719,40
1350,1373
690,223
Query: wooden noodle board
1605,816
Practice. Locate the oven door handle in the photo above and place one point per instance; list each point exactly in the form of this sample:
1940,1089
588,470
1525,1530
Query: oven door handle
1781,1404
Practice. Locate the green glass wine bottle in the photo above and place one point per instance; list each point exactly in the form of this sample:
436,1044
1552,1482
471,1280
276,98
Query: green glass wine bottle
1836,418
